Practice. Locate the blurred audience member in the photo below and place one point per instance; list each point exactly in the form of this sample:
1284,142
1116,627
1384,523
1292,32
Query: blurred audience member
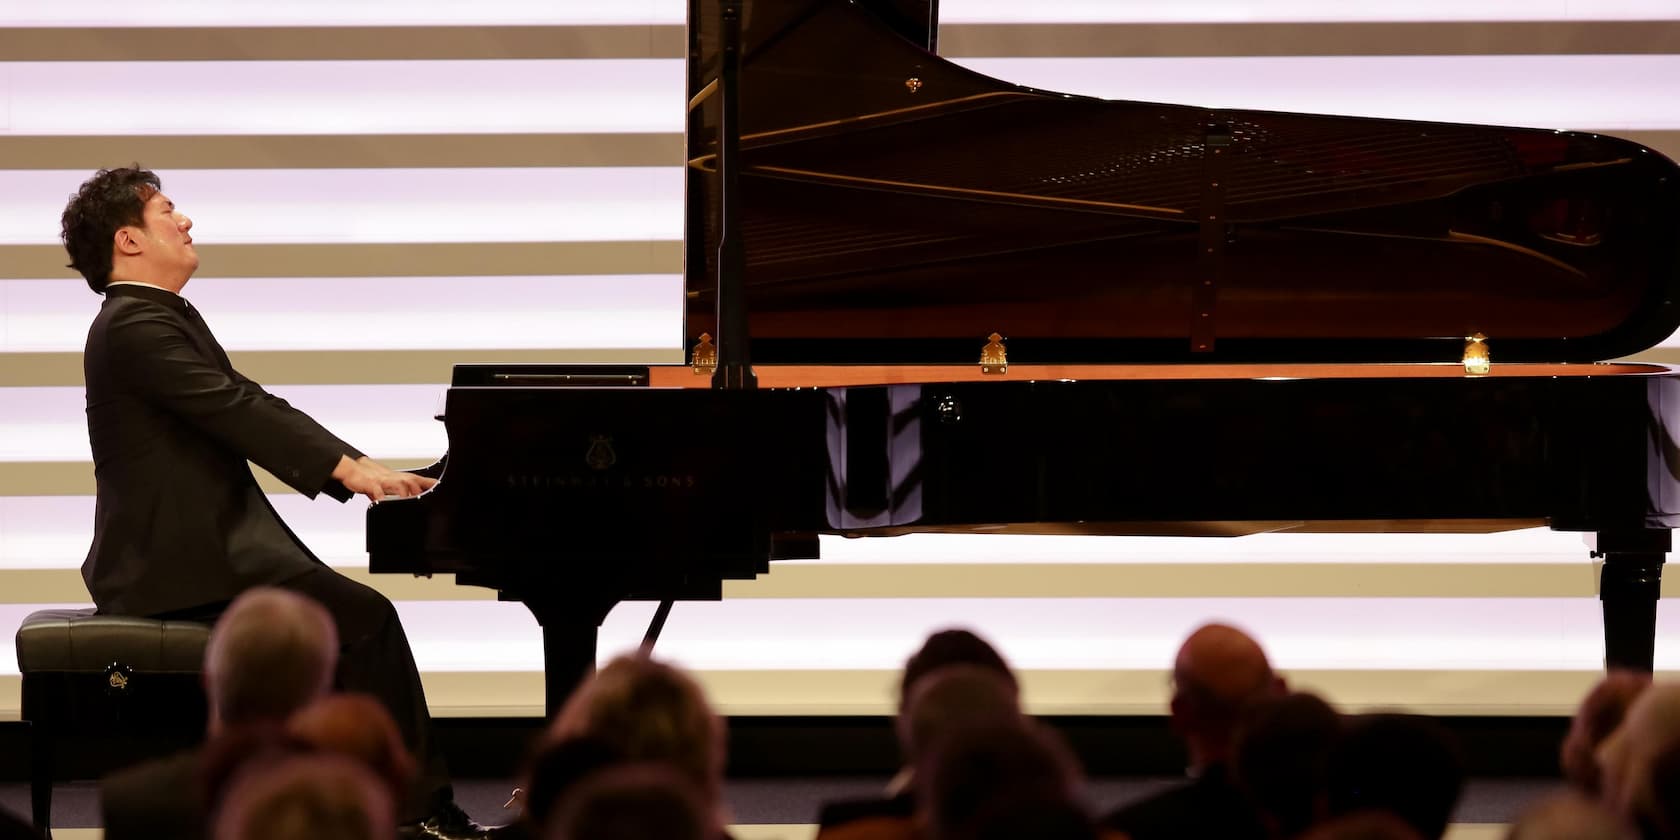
1007,773
944,649
308,798
952,647
634,802
1627,756
946,700
1569,815
358,727
15,828
553,770
1403,765
1370,825
1598,716
270,653
1219,674
648,711
1657,809
1282,761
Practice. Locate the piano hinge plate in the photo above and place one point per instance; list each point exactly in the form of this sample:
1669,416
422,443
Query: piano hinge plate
994,357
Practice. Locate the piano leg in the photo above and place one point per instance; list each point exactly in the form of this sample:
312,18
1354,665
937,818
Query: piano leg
1629,587
570,630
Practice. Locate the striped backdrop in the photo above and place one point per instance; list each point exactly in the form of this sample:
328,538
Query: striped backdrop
384,188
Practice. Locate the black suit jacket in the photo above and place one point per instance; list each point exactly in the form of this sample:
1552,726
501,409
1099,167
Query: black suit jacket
180,521
157,800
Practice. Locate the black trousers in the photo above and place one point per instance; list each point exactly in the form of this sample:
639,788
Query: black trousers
373,658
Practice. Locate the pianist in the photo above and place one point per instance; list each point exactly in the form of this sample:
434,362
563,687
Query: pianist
180,524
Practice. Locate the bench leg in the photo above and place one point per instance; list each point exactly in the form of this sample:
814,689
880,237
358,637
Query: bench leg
40,778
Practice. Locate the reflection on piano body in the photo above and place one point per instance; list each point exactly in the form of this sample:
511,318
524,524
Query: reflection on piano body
1215,322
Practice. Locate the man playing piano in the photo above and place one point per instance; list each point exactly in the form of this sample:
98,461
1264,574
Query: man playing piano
180,525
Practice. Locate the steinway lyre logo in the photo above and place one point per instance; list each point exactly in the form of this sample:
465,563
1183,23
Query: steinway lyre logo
600,455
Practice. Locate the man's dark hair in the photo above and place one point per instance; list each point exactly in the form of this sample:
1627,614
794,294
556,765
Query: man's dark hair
1404,765
951,647
111,199
979,775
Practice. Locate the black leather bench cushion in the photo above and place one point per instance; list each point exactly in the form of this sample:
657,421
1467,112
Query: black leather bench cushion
80,641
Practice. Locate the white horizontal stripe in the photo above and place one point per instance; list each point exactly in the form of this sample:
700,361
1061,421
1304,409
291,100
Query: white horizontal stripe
572,12
118,13
342,97
1549,634
1551,91
1287,11
380,313
385,421
1366,633
51,532
1530,545
228,206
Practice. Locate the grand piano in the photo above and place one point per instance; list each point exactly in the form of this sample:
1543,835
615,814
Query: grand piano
921,299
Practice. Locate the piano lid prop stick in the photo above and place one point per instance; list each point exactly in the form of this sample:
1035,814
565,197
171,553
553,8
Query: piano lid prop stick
655,627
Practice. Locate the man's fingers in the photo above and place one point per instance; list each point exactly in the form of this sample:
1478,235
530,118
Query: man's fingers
404,485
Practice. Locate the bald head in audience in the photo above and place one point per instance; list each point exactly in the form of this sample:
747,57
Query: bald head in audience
317,797
269,655
1568,816
1628,758
1220,671
1598,716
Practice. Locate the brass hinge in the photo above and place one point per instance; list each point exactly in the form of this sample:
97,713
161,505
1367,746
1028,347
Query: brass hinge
994,357
1477,360
705,356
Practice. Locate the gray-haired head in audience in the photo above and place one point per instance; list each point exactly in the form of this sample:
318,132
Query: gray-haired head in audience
270,654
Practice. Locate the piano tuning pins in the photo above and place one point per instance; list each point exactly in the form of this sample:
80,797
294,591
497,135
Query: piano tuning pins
1477,362
994,357
913,84
705,356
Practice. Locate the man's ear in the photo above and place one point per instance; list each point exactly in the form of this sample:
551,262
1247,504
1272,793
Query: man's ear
126,241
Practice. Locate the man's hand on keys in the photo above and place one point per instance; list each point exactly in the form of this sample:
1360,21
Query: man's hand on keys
378,482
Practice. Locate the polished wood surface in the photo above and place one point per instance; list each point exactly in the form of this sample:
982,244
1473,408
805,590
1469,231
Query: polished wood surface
839,376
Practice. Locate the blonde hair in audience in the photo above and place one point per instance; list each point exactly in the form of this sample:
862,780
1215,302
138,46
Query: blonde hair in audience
649,711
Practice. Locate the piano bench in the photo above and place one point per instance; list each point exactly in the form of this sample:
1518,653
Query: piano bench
106,676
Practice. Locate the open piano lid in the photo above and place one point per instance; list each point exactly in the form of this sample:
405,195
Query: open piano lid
899,208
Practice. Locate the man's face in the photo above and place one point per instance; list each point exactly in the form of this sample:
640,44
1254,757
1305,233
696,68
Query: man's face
165,240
